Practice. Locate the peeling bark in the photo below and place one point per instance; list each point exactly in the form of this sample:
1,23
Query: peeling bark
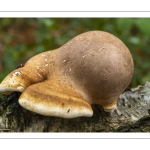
131,115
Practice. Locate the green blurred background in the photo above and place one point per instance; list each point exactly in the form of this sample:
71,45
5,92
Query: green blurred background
21,38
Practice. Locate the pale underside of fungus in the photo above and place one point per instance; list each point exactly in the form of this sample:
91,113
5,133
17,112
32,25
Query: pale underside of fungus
94,67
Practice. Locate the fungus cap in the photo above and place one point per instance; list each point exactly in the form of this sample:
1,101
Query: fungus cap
94,67
49,100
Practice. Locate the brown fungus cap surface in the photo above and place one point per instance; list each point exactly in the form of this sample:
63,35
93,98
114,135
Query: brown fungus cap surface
94,67
99,64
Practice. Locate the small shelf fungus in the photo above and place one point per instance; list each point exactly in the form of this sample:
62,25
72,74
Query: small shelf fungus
94,67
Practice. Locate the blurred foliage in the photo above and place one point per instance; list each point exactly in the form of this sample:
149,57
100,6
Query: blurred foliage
21,38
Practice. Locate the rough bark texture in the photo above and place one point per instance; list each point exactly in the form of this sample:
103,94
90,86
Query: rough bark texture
131,115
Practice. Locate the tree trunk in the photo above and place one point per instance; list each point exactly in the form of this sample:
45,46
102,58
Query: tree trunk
131,115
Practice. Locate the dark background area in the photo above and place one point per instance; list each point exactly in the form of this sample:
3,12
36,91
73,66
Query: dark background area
21,38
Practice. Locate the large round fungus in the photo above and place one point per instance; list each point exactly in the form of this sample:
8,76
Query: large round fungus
93,68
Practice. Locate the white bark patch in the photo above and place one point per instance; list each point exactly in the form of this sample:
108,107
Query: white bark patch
16,74
38,68
20,88
101,49
133,118
77,38
69,43
84,56
64,61
69,69
39,75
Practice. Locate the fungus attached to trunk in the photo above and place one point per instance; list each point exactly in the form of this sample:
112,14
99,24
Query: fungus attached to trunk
94,67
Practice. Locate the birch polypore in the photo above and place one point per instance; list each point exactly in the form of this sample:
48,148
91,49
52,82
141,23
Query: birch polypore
94,67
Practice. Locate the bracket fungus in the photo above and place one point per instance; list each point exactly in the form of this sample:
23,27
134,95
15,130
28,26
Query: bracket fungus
94,67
